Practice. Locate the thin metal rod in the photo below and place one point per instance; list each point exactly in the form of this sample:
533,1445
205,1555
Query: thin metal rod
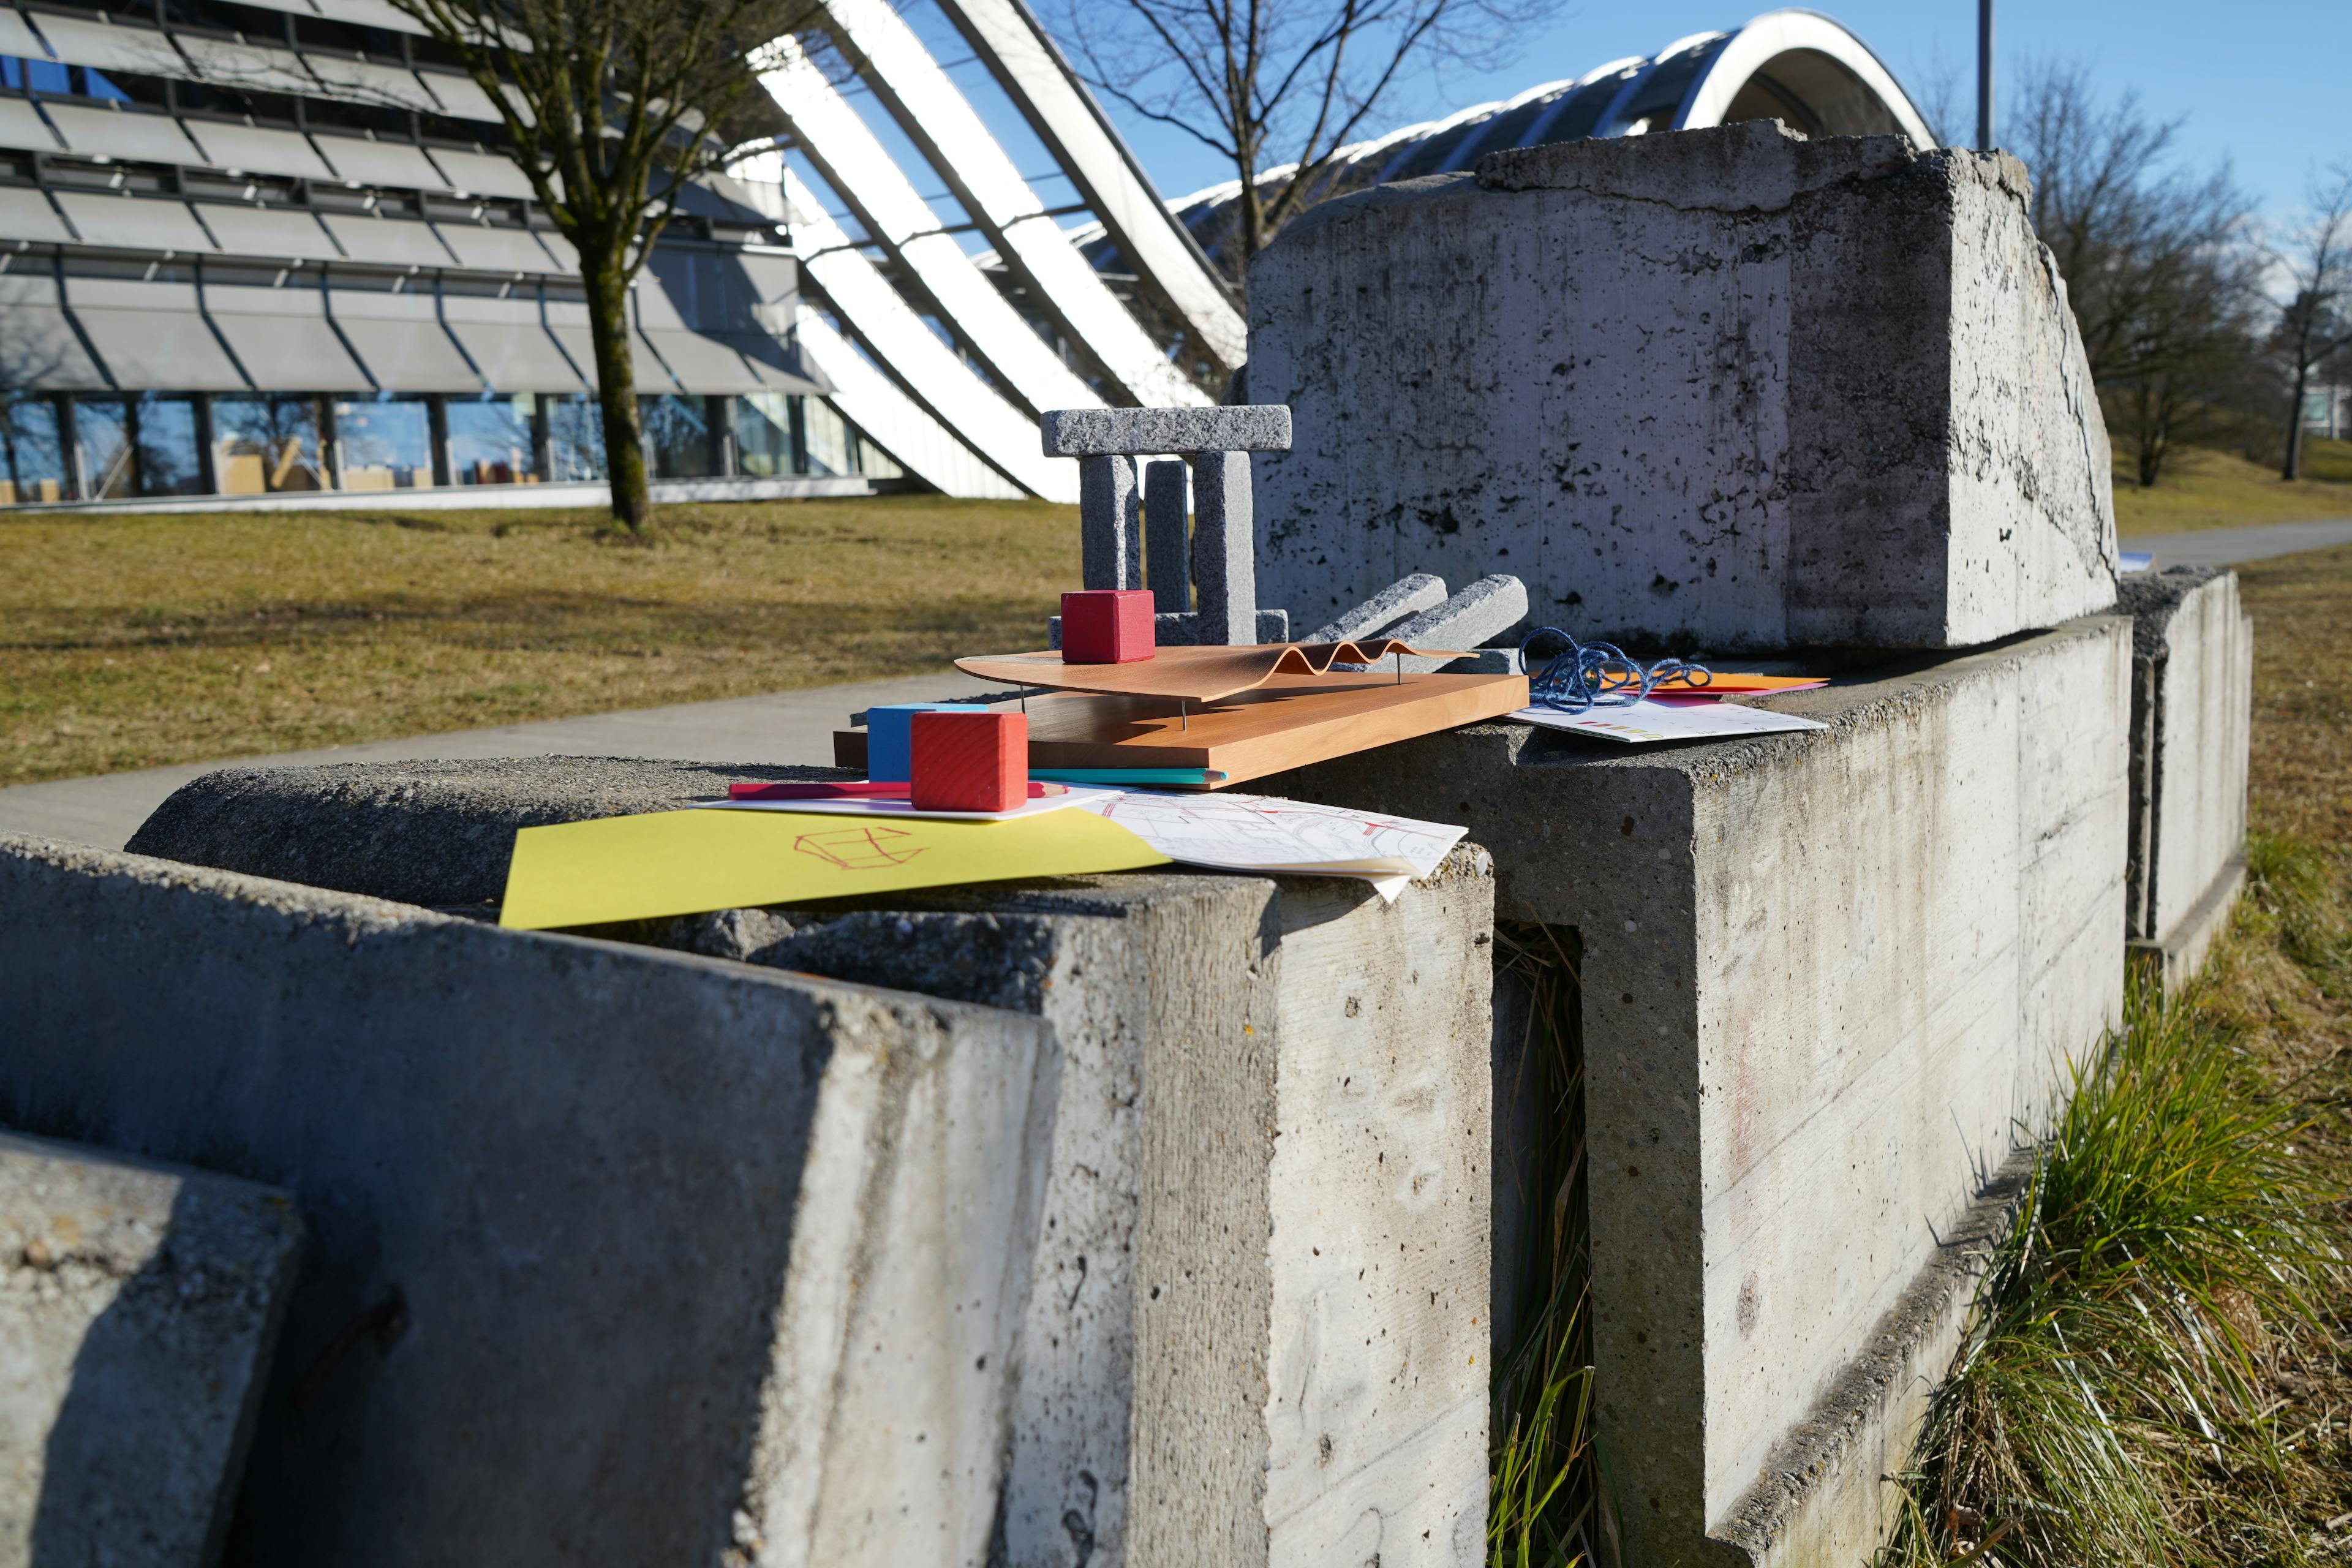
1400,679
1183,714
1984,76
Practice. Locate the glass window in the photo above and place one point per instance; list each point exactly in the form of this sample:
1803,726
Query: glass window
169,463
32,457
490,442
678,437
144,445
262,444
46,76
385,444
575,438
763,433
830,442
102,432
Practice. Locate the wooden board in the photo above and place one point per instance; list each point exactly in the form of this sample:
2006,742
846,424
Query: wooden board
1288,722
1208,674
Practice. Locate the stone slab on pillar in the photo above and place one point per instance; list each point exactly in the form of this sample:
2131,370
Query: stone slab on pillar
2192,712
1727,388
1824,977
695,1261
138,1306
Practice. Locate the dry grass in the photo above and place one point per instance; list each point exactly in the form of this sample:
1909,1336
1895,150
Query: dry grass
2203,489
132,640
2166,1376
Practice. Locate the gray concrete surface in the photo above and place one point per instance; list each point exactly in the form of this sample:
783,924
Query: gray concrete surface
616,1253
1110,523
1168,534
1407,596
1484,610
1154,432
1728,388
1237,1058
139,1305
2191,724
2236,546
1825,976
776,728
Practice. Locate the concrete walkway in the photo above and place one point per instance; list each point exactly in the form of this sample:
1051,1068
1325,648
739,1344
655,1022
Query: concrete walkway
784,726
2235,546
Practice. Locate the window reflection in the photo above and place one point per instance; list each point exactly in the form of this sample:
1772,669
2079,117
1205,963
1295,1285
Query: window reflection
384,445
264,445
32,457
490,442
678,444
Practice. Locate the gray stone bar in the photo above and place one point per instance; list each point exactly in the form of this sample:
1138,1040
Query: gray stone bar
1486,609
1152,432
1167,535
1225,561
1405,596
1110,523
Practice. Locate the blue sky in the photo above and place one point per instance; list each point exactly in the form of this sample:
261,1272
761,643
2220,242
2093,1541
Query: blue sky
2265,83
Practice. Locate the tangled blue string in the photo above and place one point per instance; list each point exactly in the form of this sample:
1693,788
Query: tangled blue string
1599,675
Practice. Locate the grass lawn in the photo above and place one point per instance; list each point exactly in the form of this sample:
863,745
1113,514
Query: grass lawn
2202,489
132,640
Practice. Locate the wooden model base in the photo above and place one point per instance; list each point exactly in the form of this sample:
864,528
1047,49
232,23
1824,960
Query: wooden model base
1288,722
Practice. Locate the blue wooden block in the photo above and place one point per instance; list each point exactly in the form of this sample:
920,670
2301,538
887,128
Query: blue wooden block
890,753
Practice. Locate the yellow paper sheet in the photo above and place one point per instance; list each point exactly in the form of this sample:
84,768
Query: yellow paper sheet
685,862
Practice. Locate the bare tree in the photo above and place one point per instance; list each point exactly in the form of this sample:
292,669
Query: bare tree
2157,267
1268,82
611,108
2316,263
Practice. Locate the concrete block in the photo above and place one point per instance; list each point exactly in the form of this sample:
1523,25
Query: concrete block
1256,1319
615,1253
1110,523
1729,389
1405,596
139,1305
1168,536
2192,709
1224,551
1824,977
1484,610
1151,432
432,833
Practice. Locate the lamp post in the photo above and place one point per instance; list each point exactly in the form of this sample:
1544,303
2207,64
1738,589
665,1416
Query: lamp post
1984,76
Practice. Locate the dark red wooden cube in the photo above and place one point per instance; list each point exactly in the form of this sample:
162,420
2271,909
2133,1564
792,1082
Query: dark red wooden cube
1107,625
969,762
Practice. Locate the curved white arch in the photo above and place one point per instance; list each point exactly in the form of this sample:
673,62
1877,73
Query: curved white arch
1777,33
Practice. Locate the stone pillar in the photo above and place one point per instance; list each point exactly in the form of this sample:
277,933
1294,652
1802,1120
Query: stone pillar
1225,561
1110,522
1167,523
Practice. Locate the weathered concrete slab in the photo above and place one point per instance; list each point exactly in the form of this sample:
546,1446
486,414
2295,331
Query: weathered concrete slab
1484,610
1239,1058
139,1305
1154,432
2193,713
1824,977
1405,596
620,1253
1726,388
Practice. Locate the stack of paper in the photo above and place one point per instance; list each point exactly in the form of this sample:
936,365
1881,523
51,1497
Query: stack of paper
1231,832
1653,721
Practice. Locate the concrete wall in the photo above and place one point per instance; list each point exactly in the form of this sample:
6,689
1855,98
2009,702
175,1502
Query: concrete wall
615,1254
1728,387
139,1305
1825,976
2192,710
1256,1326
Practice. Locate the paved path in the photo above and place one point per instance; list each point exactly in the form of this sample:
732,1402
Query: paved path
785,727
2234,546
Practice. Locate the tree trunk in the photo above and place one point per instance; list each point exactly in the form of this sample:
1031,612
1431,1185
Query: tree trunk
2291,469
616,388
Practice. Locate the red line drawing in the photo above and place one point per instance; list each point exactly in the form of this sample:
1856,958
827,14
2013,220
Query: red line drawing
859,848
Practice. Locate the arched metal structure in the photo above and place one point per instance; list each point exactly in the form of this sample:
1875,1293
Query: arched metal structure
1799,67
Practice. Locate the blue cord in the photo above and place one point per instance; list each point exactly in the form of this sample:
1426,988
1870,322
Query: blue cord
1599,675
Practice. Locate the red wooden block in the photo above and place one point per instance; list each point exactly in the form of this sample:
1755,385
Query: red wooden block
969,762
1107,625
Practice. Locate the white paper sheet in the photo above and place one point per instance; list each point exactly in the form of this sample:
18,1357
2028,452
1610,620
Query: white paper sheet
1265,833
1642,722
